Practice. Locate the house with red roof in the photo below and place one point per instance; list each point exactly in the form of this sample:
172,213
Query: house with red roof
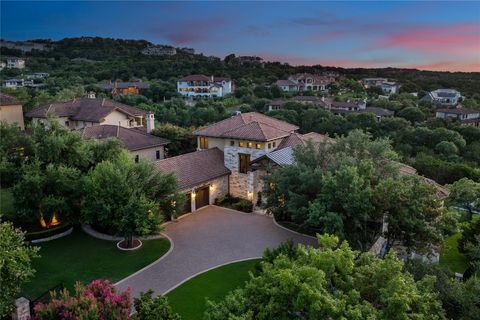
199,85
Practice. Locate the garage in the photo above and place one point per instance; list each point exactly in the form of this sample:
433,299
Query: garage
188,204
202,197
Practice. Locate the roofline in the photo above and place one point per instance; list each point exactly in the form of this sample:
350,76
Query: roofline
152,146
209,179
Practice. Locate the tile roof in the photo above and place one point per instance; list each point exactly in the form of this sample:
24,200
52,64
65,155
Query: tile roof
442,192
459,110
94,110
6,100
123,85
196,167
295,139
251,126
132,138
202,77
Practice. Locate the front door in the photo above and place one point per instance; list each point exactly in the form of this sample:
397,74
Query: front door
202,197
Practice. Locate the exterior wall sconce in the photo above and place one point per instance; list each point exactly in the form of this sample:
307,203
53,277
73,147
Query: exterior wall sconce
250,195
212,187
193,195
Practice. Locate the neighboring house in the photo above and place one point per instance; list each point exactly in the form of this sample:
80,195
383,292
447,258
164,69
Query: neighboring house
20,83
341,107
15,63
3,64
378,112
24,46
305,82
11,110
313,100
140,143
445,97
87,112
124,88
464,115
187,50
40,75
387,86
204,86
276,104
159,50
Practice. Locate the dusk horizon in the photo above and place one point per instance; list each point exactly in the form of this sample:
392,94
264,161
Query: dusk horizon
337,34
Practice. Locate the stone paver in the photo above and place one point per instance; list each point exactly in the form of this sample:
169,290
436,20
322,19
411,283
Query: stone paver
210,237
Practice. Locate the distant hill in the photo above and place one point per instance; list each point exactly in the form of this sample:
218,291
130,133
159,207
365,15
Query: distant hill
122,60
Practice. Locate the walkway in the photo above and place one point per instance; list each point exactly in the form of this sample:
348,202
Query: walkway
210,237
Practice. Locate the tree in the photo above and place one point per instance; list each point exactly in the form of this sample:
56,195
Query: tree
97,300
469,243
15,265
331,282
181,139
465,193
412,114
129,199
446,148
149,308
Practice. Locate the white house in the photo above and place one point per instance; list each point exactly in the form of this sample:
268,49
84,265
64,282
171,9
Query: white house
199,85
387,86
15,63
18,83
305,82
464,115
445,97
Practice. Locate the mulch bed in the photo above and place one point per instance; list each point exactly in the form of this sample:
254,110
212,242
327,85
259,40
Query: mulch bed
135,244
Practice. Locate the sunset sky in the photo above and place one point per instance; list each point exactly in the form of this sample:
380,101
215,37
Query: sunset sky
424,35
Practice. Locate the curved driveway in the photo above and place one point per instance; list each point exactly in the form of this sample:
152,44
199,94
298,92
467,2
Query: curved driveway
210,237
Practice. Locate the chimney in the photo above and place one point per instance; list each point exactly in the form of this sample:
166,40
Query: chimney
212,77
150,121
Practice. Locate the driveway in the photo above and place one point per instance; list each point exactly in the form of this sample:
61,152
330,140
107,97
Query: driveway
210,237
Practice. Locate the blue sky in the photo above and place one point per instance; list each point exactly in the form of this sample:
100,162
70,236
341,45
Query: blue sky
427,35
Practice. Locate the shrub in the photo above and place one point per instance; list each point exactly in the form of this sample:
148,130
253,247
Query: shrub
235,203
48,232
98,300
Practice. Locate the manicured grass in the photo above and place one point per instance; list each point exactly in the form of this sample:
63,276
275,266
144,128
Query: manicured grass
79,257
189,299
6,203
450,257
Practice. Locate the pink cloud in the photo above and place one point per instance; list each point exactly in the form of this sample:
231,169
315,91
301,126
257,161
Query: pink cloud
445,66
462,39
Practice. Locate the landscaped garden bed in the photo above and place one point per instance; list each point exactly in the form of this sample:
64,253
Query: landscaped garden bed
80,257
234,203
189,299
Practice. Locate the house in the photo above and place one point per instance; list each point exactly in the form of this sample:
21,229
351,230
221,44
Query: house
124,88
199,85
388,87
276,104
461,114
86,112
139,141
11,110
19,83
341,107
40,75
445,97
15,63
159,50
305,82
3,64
187,50
378,112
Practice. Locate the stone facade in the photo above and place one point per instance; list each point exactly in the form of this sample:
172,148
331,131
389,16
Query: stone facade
241,185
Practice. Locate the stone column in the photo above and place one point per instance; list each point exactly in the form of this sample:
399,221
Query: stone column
22,311
192,200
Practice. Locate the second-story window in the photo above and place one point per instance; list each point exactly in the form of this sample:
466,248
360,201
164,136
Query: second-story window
232,143
203,143
258,146
274,144
243,162
249,144
240,144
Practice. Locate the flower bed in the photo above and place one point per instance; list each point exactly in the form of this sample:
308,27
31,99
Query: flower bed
234,203
46,233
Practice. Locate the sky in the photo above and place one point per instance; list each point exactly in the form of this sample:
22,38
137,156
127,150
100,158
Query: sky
427,35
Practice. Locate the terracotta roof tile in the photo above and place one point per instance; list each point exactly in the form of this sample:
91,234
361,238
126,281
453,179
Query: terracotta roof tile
195,168
84,109
251,126
132,139
6,100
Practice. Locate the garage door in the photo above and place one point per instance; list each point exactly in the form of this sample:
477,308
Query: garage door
188,204
202,197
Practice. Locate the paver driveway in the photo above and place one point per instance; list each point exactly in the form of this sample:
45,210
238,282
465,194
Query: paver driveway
210,237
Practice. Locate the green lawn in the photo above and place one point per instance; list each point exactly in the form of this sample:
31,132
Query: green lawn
189,299
79,257
6,203
450,257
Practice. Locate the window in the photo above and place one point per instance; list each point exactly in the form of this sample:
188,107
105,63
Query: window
203,143
136,158
258,146
157,154
249,144
269,146
240,144
274,144
244,163
232,143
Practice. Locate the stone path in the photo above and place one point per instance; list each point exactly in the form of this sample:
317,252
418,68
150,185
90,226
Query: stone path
210,237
